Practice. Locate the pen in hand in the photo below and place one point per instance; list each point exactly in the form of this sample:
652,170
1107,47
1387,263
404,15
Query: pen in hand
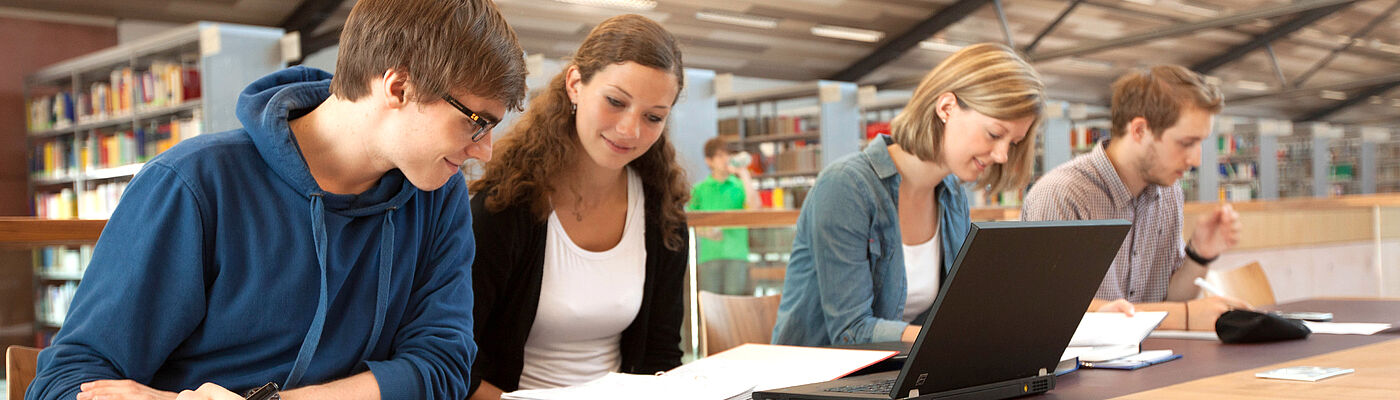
1209,287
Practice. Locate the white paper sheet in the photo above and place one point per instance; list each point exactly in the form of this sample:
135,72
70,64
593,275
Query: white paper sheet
1190,335
732,374
782,366
1346,328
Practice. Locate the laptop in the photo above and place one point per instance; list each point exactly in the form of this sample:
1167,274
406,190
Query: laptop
1002,319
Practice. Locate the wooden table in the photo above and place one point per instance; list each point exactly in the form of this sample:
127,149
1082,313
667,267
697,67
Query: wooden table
1212,370
30,232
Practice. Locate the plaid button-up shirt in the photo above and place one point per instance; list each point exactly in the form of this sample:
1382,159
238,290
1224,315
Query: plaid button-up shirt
1089,188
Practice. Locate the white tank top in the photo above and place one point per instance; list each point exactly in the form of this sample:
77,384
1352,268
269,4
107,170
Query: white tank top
922,264
586,300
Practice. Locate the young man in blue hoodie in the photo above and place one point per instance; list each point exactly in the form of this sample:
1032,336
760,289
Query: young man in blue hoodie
324,247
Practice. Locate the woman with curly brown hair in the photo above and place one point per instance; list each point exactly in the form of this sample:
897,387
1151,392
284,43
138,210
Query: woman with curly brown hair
580,220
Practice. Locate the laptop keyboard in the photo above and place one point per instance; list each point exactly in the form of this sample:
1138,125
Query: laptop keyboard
881,387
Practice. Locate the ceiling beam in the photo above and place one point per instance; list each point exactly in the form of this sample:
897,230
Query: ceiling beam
1351,40
1277,32
1183,29
311,45
1054,23
309,15
1342,86
909,39
1363,96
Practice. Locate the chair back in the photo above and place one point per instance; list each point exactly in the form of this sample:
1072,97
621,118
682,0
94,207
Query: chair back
729,321
21,363
1246,283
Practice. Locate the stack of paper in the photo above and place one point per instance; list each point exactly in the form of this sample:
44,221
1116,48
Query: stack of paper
783,366
627,386
730,375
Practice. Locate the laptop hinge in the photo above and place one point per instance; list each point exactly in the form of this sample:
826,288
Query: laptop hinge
1042,372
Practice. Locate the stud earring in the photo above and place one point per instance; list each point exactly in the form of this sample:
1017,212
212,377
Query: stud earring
573,108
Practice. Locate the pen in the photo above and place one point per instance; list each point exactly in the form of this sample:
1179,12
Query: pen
1210,288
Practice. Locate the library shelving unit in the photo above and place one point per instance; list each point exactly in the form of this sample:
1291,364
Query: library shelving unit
1387,158
1344,156
876,114
1238,162
93,121
1295,167
792,132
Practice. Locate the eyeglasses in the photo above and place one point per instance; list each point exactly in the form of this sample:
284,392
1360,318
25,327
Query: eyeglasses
483,123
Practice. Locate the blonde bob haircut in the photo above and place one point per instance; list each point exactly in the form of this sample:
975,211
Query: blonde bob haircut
989,78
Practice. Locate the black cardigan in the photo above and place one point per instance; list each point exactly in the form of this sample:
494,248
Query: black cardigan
506,278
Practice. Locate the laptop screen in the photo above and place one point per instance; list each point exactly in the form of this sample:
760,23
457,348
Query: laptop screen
1010,304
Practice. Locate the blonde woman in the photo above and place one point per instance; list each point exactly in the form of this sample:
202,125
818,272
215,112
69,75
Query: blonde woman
880,228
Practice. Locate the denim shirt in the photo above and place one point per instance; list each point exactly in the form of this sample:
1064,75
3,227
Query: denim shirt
845,280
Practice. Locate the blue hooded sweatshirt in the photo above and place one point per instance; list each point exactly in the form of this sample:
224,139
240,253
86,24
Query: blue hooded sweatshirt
227,263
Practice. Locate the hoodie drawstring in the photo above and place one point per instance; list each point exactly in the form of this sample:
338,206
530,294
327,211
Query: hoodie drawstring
386,269
318,322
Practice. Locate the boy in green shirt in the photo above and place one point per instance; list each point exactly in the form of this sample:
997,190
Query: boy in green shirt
723,253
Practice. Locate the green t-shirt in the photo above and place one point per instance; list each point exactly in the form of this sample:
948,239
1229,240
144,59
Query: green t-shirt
714,195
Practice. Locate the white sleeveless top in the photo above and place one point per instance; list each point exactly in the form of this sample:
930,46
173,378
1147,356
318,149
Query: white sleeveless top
586,300
922,264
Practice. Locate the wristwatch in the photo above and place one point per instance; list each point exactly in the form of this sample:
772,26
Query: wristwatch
1191,252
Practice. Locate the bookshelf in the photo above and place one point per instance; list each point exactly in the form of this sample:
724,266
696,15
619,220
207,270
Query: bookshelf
793,132
1238,149
1294,156
93,121
1387,156
1343,171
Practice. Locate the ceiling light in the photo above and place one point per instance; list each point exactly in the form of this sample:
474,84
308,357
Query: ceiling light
1333,95
841,32
733,18
1197,9
939,45
1251,85
1383,46
1083,63
634,5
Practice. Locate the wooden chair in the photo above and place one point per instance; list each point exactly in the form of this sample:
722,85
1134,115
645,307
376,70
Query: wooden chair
1248,283
21,363
729,321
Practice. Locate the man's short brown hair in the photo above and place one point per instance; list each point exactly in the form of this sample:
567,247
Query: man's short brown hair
441,45
714,146
1158,95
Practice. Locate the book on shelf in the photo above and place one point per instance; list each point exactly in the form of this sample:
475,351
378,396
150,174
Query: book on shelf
53,300
764,126
126,90
66,156
60,204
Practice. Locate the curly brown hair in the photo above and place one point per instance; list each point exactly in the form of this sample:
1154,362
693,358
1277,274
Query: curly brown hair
544,141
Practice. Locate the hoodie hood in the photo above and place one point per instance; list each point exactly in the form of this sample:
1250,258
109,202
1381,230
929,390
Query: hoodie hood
264,107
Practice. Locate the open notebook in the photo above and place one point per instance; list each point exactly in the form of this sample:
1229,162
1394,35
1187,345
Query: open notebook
1104,336
732,374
